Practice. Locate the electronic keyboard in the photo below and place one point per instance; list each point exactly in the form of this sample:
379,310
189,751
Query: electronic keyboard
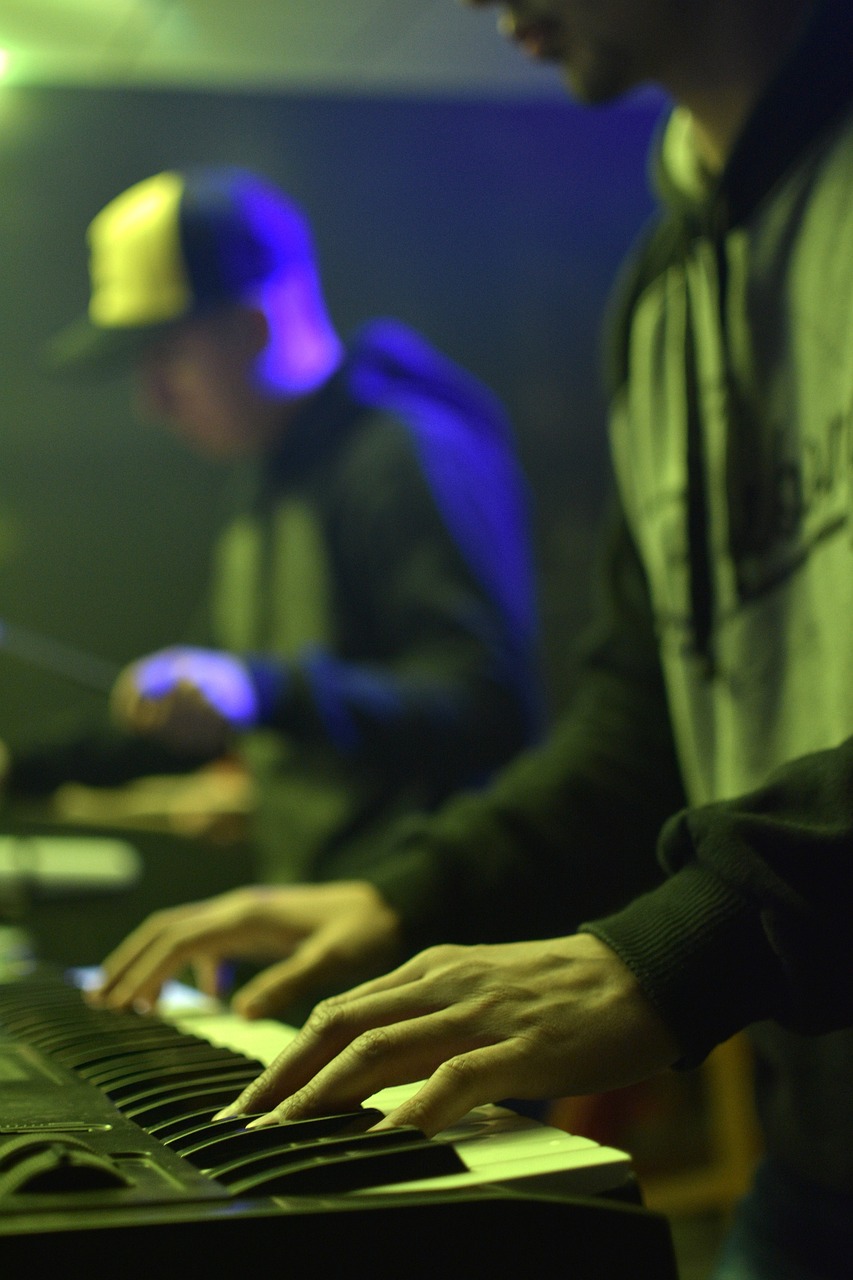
110,1158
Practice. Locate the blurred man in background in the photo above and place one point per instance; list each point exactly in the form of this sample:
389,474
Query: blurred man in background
372,638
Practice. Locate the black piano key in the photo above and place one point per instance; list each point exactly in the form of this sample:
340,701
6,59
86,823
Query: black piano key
194,1122
182,1102
352,1171
164,1078
96,1050
208,1146
152,1091
52,1035
129,1033
147,1065
286,1152
40,1009
70,1038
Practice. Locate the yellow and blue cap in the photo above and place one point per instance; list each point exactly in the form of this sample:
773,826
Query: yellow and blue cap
173,246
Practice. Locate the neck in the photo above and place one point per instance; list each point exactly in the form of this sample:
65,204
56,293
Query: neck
739,46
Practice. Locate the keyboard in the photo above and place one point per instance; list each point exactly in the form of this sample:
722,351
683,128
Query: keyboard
109,1149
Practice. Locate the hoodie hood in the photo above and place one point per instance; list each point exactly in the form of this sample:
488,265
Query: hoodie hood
459,429
811,89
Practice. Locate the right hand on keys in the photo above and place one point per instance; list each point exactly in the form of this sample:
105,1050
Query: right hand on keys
318,933
536,1020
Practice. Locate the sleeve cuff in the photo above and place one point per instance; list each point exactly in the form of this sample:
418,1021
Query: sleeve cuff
700,952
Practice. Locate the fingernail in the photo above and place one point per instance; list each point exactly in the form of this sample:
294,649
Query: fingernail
263,1122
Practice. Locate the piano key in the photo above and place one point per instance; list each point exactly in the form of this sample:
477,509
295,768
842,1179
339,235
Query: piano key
224,1139
352,1170
148,1109
131,1087
239,1153
181,1126
509,1145
93,1049
164,1061
56,1041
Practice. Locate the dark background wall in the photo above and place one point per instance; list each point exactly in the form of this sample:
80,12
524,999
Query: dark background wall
494,227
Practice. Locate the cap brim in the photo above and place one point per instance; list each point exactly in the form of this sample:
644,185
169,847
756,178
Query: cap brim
87,350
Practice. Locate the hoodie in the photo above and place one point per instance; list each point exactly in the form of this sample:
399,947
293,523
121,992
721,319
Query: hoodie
714,715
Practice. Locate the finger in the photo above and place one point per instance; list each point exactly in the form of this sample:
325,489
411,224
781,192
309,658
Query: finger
279,986
211,975
145,934
329,1029
264,1091
375,1060
318,961
457,1086
313,1078
140,983
151,959
404,975
125,955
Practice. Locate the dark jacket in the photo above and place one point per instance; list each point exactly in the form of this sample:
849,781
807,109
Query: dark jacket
378,581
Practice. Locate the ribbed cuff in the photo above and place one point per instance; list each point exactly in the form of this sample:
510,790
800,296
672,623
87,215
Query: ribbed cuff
700,953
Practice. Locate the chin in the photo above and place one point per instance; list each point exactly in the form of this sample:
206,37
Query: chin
595,82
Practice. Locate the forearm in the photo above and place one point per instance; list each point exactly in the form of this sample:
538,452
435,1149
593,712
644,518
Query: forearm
97,759
570,829
566,831
470,710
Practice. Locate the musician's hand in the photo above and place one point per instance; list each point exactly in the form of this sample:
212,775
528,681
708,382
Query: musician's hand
319,934
190,699
526,1020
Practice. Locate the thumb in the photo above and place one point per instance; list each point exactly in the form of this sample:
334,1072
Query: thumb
211,975
311,965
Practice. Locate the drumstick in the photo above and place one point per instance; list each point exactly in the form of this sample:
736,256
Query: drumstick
58,658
